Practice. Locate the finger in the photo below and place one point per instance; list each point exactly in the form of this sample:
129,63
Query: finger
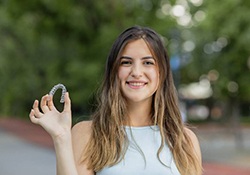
32,117
50,102
43,104
67,104
36,110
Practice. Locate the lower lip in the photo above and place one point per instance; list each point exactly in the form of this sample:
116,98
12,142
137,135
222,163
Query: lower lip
135,87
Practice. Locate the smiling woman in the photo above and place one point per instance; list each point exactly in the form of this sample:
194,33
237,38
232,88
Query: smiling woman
139,75
137,127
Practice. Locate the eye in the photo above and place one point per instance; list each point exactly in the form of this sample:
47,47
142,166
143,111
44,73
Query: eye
126,62
149,63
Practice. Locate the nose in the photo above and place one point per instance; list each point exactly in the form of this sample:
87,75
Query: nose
136,71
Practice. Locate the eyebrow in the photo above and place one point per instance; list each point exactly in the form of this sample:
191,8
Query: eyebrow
143,58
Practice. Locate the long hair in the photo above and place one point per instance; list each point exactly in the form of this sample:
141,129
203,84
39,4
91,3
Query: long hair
108,142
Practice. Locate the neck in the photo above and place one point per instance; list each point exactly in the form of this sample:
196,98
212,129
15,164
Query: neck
139,114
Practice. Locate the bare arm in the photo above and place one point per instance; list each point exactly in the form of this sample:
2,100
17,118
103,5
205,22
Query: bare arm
80,136
196,144
58,125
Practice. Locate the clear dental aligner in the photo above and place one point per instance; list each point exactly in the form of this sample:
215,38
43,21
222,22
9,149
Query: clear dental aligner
59,86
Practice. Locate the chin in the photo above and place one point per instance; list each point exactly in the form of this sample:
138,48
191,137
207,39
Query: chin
137,99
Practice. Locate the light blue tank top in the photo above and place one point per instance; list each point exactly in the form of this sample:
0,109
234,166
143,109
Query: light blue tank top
141,155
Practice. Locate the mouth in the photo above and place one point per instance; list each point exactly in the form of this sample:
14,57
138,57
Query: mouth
136,84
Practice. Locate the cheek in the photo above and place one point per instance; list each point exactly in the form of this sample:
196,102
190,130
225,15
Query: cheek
122,74
154,73
156,78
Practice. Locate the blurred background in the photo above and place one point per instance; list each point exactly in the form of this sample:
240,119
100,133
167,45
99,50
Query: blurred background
46,42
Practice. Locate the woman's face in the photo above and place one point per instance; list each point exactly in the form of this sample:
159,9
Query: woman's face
138,72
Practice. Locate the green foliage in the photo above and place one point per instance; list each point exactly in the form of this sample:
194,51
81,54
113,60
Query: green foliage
222,45
227,20
45,42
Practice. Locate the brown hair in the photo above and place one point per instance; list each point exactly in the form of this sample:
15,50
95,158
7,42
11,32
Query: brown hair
108,142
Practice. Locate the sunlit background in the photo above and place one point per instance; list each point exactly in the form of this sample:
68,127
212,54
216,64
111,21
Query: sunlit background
46,42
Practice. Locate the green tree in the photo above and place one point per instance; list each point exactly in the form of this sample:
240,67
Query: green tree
222,45
48,42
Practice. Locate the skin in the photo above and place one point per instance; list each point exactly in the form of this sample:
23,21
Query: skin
195,142
139,77
68,143
58,125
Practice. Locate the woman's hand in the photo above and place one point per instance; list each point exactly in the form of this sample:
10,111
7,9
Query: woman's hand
57,124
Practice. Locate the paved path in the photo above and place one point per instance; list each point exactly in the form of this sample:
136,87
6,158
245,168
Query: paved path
224,151
19,157
27,149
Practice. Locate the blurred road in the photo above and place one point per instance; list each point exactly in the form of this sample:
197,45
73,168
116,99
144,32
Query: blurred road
225,151
26,149
226,146
18,157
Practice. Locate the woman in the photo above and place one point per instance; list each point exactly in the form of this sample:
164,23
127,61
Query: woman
137,127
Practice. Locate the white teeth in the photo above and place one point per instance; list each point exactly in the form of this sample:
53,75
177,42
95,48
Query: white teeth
136,84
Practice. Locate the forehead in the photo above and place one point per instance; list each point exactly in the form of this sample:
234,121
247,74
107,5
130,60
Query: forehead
136,48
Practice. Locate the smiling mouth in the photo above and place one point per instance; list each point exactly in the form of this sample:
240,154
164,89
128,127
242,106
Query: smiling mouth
136,84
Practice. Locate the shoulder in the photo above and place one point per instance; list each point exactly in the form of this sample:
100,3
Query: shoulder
191,134
81,132
194,141
81,128
80,136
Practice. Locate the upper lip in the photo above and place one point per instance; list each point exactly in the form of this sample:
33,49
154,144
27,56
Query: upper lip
132,81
